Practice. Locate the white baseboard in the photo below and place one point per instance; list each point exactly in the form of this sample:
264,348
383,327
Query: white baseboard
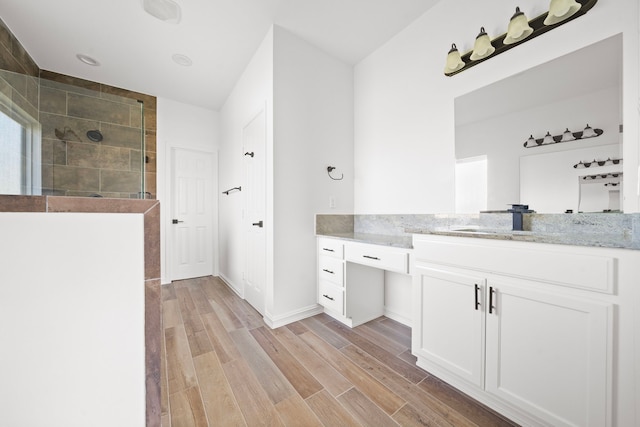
236,290
397,317
293,316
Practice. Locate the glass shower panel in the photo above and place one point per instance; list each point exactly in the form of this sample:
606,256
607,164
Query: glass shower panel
93,140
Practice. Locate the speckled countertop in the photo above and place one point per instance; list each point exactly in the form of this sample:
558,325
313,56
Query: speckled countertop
610,230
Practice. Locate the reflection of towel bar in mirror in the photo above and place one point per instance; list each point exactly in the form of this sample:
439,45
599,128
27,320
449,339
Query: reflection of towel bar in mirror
596,163
566,136
232,189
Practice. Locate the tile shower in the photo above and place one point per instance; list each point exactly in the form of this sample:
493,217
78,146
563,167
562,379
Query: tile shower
92,142
55,112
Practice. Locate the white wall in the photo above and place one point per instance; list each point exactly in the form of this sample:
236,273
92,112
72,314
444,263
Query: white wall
313,128
188,127
72,320
404,105
308,96
253,93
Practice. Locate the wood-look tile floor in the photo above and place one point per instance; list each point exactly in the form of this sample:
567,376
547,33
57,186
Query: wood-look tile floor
222,366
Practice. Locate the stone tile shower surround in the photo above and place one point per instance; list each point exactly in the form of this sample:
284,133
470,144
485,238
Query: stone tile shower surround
78,166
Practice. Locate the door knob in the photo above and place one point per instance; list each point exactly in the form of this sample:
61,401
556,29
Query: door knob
258,224
175,221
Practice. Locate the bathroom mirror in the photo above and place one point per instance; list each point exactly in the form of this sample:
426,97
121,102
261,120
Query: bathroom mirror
495,169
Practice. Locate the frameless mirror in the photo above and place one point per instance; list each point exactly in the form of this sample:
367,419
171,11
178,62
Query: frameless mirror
494,168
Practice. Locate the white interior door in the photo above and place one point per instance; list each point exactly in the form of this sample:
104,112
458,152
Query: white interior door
192,214
254,143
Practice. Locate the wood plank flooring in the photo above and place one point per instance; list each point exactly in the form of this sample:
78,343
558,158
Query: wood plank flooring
222,366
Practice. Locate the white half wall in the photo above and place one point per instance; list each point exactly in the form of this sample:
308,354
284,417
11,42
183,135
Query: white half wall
189,127
404,105
72,320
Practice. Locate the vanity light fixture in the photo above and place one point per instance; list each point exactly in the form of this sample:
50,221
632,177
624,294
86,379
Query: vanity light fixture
518,29
548,139
559,10
532,141
454,61
482,47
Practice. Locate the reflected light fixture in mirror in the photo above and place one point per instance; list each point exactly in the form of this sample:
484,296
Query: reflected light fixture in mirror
559,10
518,29
454,60
567,136
482,47
588,132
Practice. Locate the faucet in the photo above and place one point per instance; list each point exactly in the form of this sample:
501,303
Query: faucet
517,210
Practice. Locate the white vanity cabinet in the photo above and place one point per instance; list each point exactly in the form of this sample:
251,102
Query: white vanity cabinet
351,278
533,344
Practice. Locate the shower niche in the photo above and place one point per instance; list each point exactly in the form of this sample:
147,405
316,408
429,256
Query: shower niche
67,140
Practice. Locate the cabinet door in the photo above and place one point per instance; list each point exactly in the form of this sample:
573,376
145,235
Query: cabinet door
549,355
449,322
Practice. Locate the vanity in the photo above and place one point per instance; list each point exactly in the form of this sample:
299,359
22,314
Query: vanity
541,326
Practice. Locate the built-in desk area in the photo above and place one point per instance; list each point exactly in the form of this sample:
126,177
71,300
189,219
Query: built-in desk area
351,274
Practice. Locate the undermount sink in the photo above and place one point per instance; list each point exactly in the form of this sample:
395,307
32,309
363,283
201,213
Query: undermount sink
488,231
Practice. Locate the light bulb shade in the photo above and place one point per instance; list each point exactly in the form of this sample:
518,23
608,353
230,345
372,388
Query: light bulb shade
588,132
531,141
567,136
548,139
559,10
518,29
482,47
454,60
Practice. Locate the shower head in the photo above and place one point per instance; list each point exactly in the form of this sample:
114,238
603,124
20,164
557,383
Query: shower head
63,135
94,135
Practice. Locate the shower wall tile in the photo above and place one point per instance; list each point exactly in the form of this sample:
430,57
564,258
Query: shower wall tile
13,56
121,136
47,176
150,141
150,117
24,104
150,181
151,166
119,181
135,115
97,156
88,107
54,152
18,82
53,100
51,122
68,83
76,179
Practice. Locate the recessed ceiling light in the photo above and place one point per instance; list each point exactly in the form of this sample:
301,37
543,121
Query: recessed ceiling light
165,10
181,59
88,60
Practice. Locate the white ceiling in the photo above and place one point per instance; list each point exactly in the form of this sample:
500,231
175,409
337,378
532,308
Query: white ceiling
220,36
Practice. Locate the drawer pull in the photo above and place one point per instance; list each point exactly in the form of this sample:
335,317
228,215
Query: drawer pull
328,271
328,250
491,306
371,257
477,302
327,297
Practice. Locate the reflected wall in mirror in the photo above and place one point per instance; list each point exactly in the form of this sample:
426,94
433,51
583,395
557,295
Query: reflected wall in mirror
580,88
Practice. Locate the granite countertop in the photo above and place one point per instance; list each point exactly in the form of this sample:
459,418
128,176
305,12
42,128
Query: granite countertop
606,230
399,241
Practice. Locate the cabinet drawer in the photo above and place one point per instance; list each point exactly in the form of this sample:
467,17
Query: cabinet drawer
330,247
381,257
331,269
331,296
